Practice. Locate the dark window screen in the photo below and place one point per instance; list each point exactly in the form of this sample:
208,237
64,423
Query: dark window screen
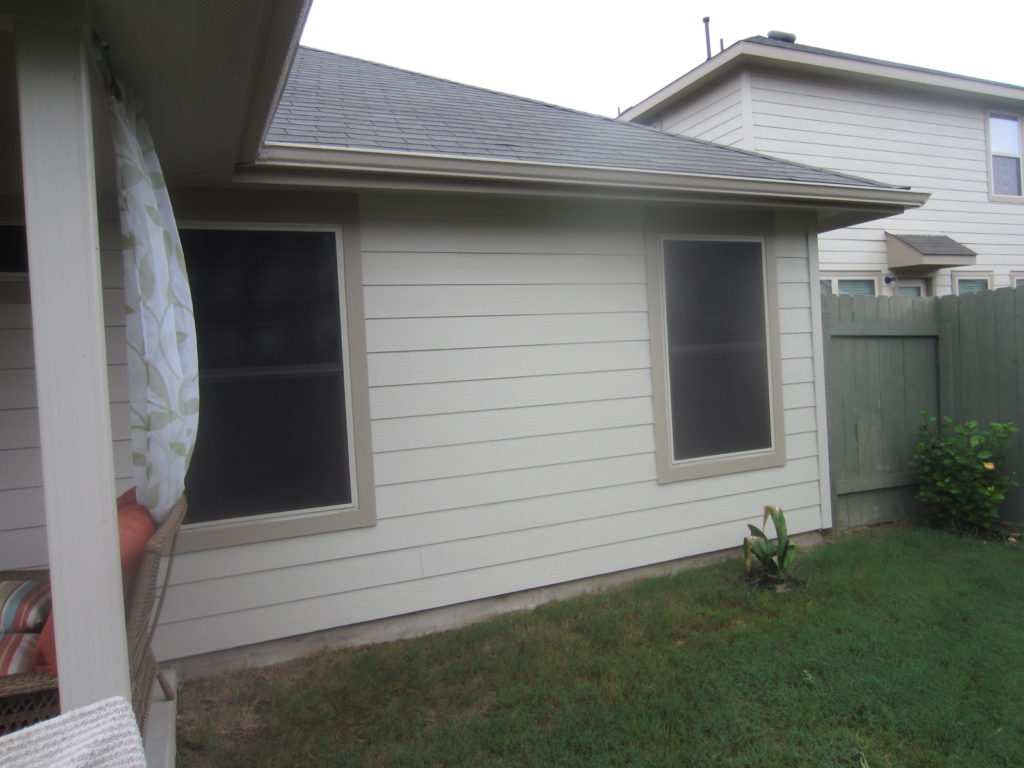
272,423
717,348
13,249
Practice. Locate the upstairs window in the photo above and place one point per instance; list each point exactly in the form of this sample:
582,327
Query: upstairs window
715,359
1005,148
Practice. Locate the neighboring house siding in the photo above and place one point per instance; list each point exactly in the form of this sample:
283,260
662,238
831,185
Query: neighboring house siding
714,115
22,526
510,391
930,142
927,142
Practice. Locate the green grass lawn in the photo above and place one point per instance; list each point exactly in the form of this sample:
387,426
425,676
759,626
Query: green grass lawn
904,648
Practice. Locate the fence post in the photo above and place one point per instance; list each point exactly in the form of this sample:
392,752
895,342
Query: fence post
949,344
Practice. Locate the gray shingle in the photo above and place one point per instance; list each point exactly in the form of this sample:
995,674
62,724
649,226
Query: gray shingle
935,245
331,100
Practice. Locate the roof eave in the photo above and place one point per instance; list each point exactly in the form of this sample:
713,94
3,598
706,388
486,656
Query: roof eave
334,166
695,78
745,52
283,30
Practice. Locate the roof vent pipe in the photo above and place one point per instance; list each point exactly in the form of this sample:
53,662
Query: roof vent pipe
782,37
707,34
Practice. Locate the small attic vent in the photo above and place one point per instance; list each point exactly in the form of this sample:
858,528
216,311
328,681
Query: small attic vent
782,37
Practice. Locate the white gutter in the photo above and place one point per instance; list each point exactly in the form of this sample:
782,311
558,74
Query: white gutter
281,157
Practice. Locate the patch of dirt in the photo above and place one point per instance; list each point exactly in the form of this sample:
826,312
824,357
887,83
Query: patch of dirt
1004,531
768,582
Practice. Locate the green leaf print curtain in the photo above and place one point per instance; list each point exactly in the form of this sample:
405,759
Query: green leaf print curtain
162,361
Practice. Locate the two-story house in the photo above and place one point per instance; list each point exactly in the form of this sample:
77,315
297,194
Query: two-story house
957,137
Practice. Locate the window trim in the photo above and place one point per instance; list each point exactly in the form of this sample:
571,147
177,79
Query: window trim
670,470
992,194
913,282
835,277
361,511
1016,276
958,276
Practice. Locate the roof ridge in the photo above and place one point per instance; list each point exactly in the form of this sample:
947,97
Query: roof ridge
773,43
460,84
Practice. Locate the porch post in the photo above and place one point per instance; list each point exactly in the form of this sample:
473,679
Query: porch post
71,363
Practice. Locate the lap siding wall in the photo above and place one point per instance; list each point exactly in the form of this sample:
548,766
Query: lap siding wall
510,394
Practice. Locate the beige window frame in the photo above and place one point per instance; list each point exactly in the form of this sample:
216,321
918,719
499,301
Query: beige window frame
670,469
991,154
920,283
361,511
958,276
834,279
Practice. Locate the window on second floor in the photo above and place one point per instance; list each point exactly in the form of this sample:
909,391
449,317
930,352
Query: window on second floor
1004,144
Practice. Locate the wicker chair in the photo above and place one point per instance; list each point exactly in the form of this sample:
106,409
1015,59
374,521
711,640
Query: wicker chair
33,696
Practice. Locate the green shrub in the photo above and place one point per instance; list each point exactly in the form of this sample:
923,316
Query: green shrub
776,557
960,470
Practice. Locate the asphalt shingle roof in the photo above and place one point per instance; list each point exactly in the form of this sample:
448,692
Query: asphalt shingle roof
332,100
935,245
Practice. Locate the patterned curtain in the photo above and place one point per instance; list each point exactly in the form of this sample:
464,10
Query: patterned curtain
162,361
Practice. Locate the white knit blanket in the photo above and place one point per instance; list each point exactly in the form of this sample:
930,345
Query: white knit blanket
101,735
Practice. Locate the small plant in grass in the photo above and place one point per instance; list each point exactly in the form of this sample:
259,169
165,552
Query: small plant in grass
776,557
960,470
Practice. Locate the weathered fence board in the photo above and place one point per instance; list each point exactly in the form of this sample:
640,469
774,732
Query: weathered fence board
887,359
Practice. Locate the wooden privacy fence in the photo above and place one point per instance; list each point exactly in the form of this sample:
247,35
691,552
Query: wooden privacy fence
886,359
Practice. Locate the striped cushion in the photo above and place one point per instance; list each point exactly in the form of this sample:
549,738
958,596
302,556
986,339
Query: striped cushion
16,652
24,606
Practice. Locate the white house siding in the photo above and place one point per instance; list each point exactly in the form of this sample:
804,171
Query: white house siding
716,114
22,519
510,393
930,142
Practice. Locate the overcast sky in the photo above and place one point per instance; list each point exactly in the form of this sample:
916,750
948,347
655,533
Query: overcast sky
601,57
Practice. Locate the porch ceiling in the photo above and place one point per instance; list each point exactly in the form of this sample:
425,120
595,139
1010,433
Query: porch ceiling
206,72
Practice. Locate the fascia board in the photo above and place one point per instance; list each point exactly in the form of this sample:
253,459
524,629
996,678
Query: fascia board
695,78
755,53
881,71
278,43
293,156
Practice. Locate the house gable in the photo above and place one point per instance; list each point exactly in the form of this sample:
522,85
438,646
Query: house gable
906,125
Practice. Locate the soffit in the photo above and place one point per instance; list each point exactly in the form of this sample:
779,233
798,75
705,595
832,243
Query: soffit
206,74
201,69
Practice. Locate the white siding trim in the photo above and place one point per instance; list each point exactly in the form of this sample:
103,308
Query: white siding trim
746,105
820,403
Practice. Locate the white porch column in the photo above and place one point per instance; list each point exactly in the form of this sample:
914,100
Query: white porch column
71,371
